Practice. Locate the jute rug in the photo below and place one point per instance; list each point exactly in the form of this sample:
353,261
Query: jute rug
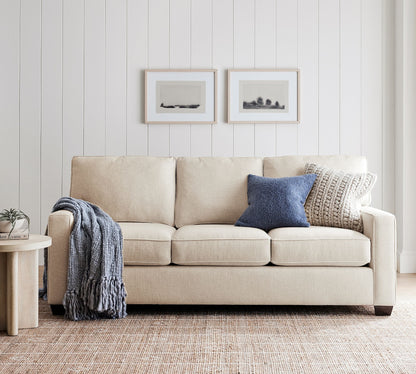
219,340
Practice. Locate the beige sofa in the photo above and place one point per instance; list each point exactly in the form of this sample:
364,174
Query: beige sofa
181,245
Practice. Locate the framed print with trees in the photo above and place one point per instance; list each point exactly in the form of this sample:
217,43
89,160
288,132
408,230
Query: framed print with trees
263,96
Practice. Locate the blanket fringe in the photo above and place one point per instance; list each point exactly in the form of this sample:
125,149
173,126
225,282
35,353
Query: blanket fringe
105,298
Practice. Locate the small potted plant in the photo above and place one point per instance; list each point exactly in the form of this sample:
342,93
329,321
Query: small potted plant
14,224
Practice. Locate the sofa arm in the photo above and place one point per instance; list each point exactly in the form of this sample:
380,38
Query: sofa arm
60,225
380,227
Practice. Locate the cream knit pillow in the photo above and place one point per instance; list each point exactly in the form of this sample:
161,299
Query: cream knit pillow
335,197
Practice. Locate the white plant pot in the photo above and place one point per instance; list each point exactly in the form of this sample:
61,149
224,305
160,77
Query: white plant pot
21,226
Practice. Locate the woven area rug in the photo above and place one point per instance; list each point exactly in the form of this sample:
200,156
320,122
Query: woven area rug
173,339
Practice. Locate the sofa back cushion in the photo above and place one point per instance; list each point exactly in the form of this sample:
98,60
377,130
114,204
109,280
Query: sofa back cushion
213,189
135,189
290,166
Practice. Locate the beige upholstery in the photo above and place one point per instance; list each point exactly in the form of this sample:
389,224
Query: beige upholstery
59,228
290,166
258,285
220,245
146,243
319,246
138,189
380,227
213,189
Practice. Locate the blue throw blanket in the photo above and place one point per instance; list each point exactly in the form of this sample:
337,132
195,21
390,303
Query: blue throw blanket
95,286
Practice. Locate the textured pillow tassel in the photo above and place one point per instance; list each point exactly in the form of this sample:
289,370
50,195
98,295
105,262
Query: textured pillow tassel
105,297
74,307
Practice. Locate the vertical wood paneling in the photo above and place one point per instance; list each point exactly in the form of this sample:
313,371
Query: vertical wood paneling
308,129
159,140
406,40
244,52
180,34
51,137
244,140
158,43
201,140
30,110
116,143
180,57
72,83
350,77
265,140
389,96
9,103
94,79
222,140
372,134
201,58
286,57
222,56
180,140
400,74
158,47
265,34
201,34
244,12
328,77
265,57
137,24
72,86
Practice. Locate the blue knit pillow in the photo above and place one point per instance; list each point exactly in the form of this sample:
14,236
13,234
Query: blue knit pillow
276,202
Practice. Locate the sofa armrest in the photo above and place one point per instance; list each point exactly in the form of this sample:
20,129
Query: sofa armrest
380,227
60,225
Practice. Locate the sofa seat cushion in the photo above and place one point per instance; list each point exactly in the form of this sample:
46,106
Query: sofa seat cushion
146,243
220,245
319,246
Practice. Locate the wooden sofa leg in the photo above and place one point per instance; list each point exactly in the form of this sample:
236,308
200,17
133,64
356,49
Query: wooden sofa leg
383,310
57,309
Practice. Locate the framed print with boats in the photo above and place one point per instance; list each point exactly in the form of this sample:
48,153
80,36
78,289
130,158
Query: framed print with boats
263,96
180,96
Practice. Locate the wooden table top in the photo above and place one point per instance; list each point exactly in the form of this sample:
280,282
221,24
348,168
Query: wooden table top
18,245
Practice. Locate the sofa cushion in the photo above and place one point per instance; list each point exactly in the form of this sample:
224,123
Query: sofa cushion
276,202
220,245
213,189
289,166
146,243
319,246
128,188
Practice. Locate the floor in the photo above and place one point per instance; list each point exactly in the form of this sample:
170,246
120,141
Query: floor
406,287
175,340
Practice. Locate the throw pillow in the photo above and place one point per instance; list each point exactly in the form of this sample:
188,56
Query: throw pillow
335,197
276,202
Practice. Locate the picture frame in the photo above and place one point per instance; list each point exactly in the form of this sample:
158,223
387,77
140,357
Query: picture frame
181,96
263,96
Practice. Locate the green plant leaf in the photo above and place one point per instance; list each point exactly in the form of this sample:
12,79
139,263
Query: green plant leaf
13,215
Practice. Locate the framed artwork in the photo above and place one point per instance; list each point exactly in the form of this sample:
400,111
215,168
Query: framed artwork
180,96
263,96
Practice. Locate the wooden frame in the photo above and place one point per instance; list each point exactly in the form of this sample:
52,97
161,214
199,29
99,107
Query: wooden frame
182,113
287,84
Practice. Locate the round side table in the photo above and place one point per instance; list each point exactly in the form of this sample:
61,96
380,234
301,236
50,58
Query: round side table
28,274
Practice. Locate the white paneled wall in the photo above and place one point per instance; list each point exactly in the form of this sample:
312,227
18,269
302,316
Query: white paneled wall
72,74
